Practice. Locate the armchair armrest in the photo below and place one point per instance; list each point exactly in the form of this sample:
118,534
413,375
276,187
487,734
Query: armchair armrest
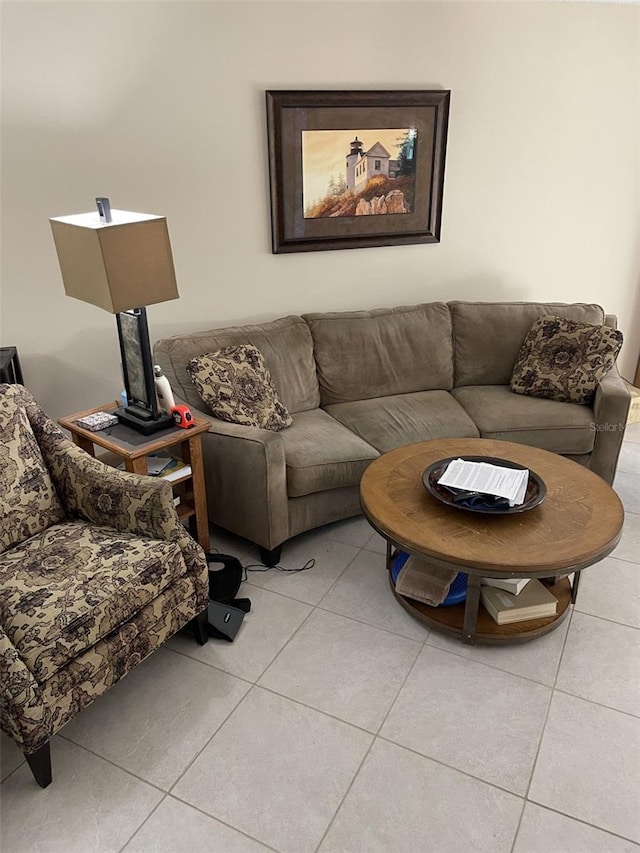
246,480
90,489
103,495
24,715
610,409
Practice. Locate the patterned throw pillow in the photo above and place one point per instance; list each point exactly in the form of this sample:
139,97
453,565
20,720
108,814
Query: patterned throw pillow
564,359
236,385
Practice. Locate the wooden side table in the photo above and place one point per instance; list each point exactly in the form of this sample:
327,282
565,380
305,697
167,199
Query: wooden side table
134,448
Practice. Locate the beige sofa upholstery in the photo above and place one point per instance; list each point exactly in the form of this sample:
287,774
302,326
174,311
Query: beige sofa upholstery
361,383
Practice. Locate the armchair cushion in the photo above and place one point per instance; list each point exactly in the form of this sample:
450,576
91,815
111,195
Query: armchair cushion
70,586
29,502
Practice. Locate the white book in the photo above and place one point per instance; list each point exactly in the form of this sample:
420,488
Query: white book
176,472
512,585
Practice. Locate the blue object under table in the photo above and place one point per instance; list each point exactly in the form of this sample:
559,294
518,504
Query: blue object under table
457,591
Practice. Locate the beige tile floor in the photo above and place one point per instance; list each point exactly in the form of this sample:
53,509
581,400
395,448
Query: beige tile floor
336,723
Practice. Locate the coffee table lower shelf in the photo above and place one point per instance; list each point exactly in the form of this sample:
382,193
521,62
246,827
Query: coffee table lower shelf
450,620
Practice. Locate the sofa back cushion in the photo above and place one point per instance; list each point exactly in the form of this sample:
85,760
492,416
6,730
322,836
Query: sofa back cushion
29,502
487,336
285,344
365,354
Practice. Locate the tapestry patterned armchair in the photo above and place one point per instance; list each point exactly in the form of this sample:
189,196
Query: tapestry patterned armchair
96,572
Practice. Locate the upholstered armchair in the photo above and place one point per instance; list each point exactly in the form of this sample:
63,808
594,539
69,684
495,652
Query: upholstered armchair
96,572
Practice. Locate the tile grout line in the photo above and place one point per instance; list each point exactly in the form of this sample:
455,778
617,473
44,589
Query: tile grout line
451,767
566,692
217,729
491,665
254,686
223,822
542,731
326,609
148,817
110,761
217,667
345,795
373,741
606,619
582,821
314,607
375,734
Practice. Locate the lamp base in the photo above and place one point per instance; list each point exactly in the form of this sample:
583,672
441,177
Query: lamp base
146,427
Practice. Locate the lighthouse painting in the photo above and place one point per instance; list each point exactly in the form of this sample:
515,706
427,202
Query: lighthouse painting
350,169
358,172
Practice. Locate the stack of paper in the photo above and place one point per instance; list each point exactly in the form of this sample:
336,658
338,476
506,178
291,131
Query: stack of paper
487,479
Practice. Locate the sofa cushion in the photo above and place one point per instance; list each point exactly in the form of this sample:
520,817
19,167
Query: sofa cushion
499,413
365,354
29,502
564,360
67,588
390,422
236,386
285,344
322,454
487,336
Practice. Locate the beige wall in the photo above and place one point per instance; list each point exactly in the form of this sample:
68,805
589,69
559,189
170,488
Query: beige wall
160,106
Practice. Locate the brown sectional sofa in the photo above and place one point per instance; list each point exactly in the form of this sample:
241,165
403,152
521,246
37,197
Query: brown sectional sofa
361,383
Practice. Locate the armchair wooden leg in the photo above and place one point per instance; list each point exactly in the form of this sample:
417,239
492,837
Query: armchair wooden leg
40,764
200,627
270,558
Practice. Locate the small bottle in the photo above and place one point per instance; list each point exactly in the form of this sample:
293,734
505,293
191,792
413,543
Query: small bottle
163,390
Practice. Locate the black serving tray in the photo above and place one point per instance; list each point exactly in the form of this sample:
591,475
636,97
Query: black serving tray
535,494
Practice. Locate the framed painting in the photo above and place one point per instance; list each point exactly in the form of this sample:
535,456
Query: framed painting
352,169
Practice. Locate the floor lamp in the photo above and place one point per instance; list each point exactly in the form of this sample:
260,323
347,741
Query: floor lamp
121,261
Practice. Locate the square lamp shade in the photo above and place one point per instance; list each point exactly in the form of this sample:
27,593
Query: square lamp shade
124,264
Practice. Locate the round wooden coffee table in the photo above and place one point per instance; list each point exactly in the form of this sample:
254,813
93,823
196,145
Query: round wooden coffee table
578,523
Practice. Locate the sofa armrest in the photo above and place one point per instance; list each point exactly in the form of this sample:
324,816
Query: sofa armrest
24,715
610,408
246,481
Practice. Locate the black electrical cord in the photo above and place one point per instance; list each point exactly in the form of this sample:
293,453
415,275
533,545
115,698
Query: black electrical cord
258,567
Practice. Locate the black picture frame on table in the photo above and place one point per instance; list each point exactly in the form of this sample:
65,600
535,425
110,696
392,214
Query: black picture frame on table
291,113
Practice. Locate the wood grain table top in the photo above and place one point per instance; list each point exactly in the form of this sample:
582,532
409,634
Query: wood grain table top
578,523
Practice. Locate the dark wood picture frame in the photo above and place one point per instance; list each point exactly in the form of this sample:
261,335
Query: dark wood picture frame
291,112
